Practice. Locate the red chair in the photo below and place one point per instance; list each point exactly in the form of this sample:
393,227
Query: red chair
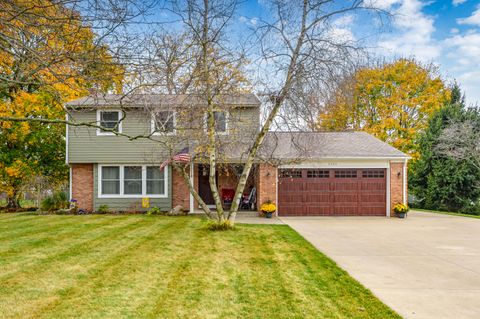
227,195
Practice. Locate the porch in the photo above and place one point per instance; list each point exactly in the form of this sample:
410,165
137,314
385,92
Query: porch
260,186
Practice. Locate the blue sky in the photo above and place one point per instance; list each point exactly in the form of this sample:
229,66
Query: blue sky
445,32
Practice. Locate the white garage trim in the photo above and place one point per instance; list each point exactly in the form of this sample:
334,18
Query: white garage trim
405,199
341,163
388,190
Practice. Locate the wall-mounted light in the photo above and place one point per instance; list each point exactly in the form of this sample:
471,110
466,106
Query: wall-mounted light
399,173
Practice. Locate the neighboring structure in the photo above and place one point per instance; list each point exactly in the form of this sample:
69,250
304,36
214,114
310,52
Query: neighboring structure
345,173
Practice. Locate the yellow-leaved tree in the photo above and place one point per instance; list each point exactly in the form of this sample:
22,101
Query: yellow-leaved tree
393,102
48,56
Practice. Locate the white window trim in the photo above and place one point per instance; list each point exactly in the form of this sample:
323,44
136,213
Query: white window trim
144,182
99,131
152,124
227,120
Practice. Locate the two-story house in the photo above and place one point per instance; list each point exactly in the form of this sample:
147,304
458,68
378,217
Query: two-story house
344,173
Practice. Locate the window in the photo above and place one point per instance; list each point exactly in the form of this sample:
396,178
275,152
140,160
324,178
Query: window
290,173
318,174
155,180
346,174
220,121
110,180
132,181
163,122
373,174
110,120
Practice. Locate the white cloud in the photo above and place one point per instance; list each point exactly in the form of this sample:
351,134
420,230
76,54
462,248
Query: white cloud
474,19
458,2
383,4
465,46
344,21
454,30
413,32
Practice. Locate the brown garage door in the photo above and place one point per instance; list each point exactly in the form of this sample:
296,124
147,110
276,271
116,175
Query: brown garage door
335,192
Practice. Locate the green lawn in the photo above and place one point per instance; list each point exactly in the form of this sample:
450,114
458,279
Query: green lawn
168,267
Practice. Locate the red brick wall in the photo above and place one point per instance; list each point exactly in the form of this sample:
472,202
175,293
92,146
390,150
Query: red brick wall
180,192
396,185
267,183
82,185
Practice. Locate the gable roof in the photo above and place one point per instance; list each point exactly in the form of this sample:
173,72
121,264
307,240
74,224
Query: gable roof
326,145
167,100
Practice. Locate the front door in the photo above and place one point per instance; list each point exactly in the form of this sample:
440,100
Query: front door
203,184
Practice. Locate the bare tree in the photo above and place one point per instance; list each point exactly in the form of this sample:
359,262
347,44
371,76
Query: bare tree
461,141
295,45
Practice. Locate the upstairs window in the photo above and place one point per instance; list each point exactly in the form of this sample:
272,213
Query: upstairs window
110,120
220,121
163,122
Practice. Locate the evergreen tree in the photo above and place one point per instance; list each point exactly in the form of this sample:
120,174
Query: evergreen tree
440,181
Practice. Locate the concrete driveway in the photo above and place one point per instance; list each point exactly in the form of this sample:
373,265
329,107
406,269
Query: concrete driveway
425,266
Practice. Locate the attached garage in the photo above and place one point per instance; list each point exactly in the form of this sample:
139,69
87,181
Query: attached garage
332,174
332,192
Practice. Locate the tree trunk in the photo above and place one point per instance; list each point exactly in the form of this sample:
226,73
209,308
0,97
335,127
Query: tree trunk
13,201
192,190
279,99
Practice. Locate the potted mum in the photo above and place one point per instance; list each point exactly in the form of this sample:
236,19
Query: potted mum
401,210
268,208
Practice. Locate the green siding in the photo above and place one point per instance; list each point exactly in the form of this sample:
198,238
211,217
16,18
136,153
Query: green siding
84,146
130,204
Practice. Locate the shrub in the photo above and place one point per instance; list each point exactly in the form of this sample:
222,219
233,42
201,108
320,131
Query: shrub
220,226
155,211
103,209
54,202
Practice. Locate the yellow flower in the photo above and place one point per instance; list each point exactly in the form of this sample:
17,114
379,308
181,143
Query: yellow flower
268,207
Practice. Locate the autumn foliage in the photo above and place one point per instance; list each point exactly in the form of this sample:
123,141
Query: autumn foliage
393,102
48,56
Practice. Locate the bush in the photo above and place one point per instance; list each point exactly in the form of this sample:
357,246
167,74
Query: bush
54,202
103,209
155,211
220,226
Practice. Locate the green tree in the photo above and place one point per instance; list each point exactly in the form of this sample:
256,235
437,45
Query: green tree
438,180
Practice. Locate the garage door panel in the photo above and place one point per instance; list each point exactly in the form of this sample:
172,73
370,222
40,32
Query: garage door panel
345,210
372,186
345,186
291,198
345,198
317,198
372,198
318,210
333,193
312,186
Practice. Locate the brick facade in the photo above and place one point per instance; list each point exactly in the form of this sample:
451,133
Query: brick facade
180,192
267,184
396,185
82,185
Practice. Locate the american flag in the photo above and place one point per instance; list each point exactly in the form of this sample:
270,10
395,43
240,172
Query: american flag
182,157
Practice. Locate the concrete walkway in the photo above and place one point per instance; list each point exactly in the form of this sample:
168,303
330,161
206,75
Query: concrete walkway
425,266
